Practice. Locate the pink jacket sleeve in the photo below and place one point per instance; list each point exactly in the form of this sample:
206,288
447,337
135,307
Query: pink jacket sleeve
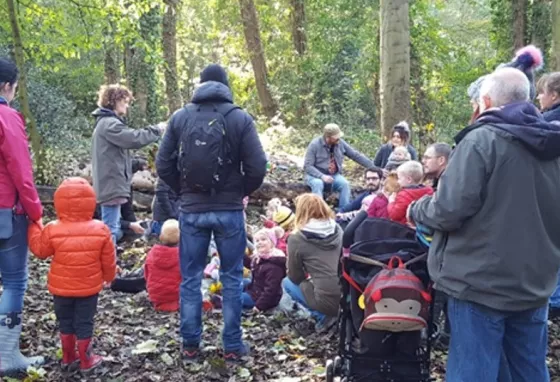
14,148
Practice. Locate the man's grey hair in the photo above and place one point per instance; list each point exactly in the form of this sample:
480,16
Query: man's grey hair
505,86
441,149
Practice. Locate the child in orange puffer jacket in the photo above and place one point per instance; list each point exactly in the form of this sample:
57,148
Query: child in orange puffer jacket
162,271
83,259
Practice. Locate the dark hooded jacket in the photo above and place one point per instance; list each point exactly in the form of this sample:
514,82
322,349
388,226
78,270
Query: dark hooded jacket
166,202
496,212
552,114
249,160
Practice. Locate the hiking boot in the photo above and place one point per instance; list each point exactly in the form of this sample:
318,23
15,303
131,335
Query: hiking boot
237,355
88,360
190,353
11,359
69,354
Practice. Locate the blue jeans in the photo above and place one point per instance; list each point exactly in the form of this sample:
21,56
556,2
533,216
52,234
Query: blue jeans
339,185
156,228
111,216
296,294
248,302
491,345
555,298
229,232
13,267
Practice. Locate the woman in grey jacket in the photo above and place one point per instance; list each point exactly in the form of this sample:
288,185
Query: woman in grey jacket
111,158
314,249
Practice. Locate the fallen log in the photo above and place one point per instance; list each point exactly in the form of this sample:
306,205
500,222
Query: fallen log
287,192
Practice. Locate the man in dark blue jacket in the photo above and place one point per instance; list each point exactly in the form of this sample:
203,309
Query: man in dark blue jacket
219,212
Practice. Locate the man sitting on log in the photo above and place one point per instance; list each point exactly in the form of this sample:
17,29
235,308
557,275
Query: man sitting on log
323,163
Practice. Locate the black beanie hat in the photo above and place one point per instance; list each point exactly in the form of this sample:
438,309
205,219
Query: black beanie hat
214,72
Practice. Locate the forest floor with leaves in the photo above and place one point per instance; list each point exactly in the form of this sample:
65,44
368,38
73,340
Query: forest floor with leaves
140,344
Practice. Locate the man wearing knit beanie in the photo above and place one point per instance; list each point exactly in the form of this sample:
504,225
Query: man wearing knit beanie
217,140
214,72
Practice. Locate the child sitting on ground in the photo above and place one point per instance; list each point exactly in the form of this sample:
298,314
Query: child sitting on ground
410,175
162,271
399,156
281,216
83,259
268,268
378,208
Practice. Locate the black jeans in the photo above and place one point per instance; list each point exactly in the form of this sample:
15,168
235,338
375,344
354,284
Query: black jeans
76,315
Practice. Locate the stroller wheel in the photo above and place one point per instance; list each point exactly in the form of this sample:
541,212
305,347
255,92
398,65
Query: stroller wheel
330,371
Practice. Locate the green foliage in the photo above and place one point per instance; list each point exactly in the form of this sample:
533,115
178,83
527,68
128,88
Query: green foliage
453,42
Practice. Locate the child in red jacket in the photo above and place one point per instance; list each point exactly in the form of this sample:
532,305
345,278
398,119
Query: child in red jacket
83,259
162,272
410,175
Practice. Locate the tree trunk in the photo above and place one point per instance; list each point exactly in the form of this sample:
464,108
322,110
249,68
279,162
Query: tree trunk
169,42
34,137
135,78
112,57
555,64
395,64
111,64
299,37
519,19
540,26
253,39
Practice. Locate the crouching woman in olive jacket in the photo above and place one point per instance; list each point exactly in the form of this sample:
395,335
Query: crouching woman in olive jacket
314,249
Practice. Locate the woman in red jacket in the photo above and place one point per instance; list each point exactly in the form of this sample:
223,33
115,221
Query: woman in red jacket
19,204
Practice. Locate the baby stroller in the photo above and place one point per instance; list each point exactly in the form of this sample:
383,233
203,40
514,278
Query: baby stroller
367,352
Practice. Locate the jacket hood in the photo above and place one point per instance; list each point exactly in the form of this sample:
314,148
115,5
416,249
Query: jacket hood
523,121
326,241
212,91
552,114
74,200
276,260
102,112
167,256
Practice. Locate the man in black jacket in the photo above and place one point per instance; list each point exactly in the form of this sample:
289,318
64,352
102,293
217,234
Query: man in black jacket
219,212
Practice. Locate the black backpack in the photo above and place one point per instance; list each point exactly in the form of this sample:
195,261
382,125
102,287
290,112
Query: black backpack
204,151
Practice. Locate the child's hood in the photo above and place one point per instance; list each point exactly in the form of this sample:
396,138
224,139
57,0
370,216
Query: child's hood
74,200
165,257
278,258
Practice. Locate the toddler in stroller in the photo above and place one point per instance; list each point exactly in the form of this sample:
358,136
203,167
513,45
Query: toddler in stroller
385,311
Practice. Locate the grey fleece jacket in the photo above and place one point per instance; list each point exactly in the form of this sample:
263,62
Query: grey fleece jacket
110,152
496,212
317,255
317,157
